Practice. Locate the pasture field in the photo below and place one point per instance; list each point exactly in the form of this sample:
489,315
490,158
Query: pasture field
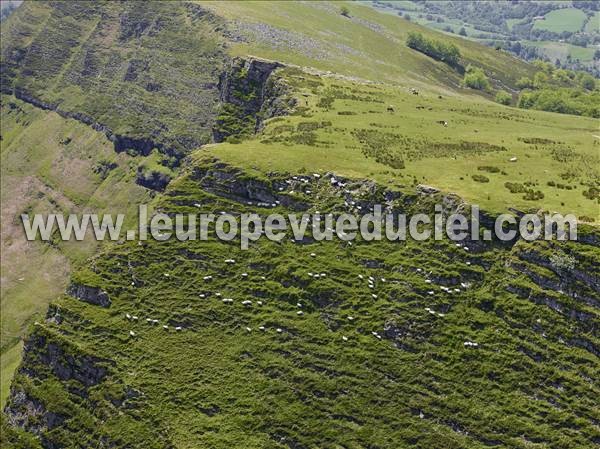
559,20
354,131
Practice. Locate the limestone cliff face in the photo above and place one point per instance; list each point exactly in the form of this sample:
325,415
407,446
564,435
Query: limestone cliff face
249,92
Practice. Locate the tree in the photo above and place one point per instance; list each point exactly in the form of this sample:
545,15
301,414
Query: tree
524,83
503,97
540,79
588,82
462,31
441,51
407,17
344,11
475,78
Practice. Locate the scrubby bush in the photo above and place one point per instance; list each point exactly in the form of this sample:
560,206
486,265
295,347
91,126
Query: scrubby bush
475,78
489,168
503,97
562,262
480,178
344,11
524,83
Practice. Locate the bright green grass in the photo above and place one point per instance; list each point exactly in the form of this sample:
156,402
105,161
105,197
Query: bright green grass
469,120
559,20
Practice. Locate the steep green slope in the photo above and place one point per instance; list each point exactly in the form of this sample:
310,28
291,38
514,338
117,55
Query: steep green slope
147,71
50,164
352,370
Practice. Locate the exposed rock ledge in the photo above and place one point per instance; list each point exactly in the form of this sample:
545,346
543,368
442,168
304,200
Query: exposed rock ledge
92,295
142,146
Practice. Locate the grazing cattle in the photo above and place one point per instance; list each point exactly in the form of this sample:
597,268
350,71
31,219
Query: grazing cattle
390,108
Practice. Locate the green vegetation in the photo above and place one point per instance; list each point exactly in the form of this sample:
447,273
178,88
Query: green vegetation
50,164
441,51
503,97
55,53
325,344
475,78
565,33
566,19
562,91
373,143
366,47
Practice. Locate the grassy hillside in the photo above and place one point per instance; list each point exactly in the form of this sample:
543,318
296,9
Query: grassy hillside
316,361
533,29
50,164
567,19
354,131
367,45
325,344
145,70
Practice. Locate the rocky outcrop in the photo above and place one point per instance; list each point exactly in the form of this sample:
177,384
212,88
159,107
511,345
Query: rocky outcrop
228,183
249,94
26,412
92,295
152,180
141,146
45,355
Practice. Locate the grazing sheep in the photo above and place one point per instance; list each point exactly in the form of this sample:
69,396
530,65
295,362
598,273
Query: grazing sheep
513,159
131,334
